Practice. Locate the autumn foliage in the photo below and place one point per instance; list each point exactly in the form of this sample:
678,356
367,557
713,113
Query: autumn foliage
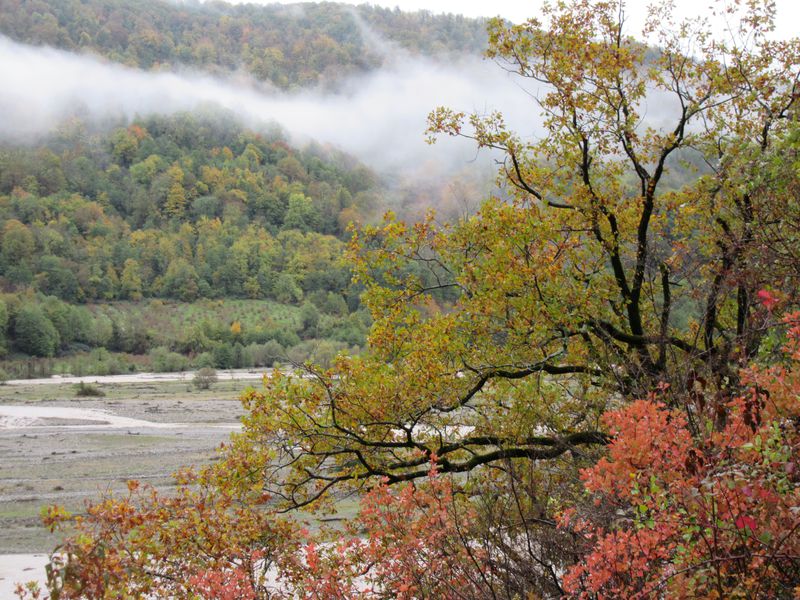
201,543
577,391
405,544
704,502
197,542
706,499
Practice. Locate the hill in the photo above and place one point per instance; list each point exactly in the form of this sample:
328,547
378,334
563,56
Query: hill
181,208
286,45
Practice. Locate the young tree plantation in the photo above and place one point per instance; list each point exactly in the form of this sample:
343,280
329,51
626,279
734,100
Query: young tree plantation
589,388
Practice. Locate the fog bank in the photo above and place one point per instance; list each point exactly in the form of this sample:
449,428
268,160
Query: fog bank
379,117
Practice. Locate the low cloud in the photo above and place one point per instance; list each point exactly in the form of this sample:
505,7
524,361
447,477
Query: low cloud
379,117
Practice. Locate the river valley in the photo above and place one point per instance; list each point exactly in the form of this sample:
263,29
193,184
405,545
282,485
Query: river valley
59,448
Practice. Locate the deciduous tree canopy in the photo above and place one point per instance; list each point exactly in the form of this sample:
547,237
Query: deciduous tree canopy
595,283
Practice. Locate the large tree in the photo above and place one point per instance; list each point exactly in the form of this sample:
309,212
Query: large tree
610,267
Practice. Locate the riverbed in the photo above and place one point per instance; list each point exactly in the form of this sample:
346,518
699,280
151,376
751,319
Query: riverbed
59,448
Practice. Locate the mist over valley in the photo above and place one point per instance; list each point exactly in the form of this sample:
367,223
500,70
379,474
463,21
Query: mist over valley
335,301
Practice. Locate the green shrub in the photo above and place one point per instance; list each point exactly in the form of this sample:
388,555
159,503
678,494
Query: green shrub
164,361
204,359
101,362
204,378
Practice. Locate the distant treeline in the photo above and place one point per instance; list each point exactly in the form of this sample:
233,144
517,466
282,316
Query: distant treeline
289,46
117,337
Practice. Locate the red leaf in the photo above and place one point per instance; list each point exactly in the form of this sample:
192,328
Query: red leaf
745,522
768,299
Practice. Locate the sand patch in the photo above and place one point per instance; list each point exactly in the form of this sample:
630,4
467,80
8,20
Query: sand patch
20,568
27,416
227,375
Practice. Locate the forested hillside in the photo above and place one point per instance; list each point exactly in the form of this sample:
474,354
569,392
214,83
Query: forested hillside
178,207
288,46
192,207
182,208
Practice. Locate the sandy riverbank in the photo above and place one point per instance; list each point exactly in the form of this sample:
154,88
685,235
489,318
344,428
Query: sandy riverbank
25,416
57,448
19,568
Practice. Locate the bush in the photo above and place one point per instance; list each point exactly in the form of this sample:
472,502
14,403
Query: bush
99,362
164,361
87,390
204,359
204,378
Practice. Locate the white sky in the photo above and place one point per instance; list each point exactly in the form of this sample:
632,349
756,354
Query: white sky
788,16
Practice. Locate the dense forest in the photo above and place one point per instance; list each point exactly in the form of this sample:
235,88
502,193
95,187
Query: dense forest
181,208
288,46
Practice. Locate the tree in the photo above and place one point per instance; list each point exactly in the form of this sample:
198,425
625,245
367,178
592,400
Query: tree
17,246
124,145
175,203
145,171
55,278
309,320
34,333
301,214
181,280
3,327
593,284
18,241
130,281
175,206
